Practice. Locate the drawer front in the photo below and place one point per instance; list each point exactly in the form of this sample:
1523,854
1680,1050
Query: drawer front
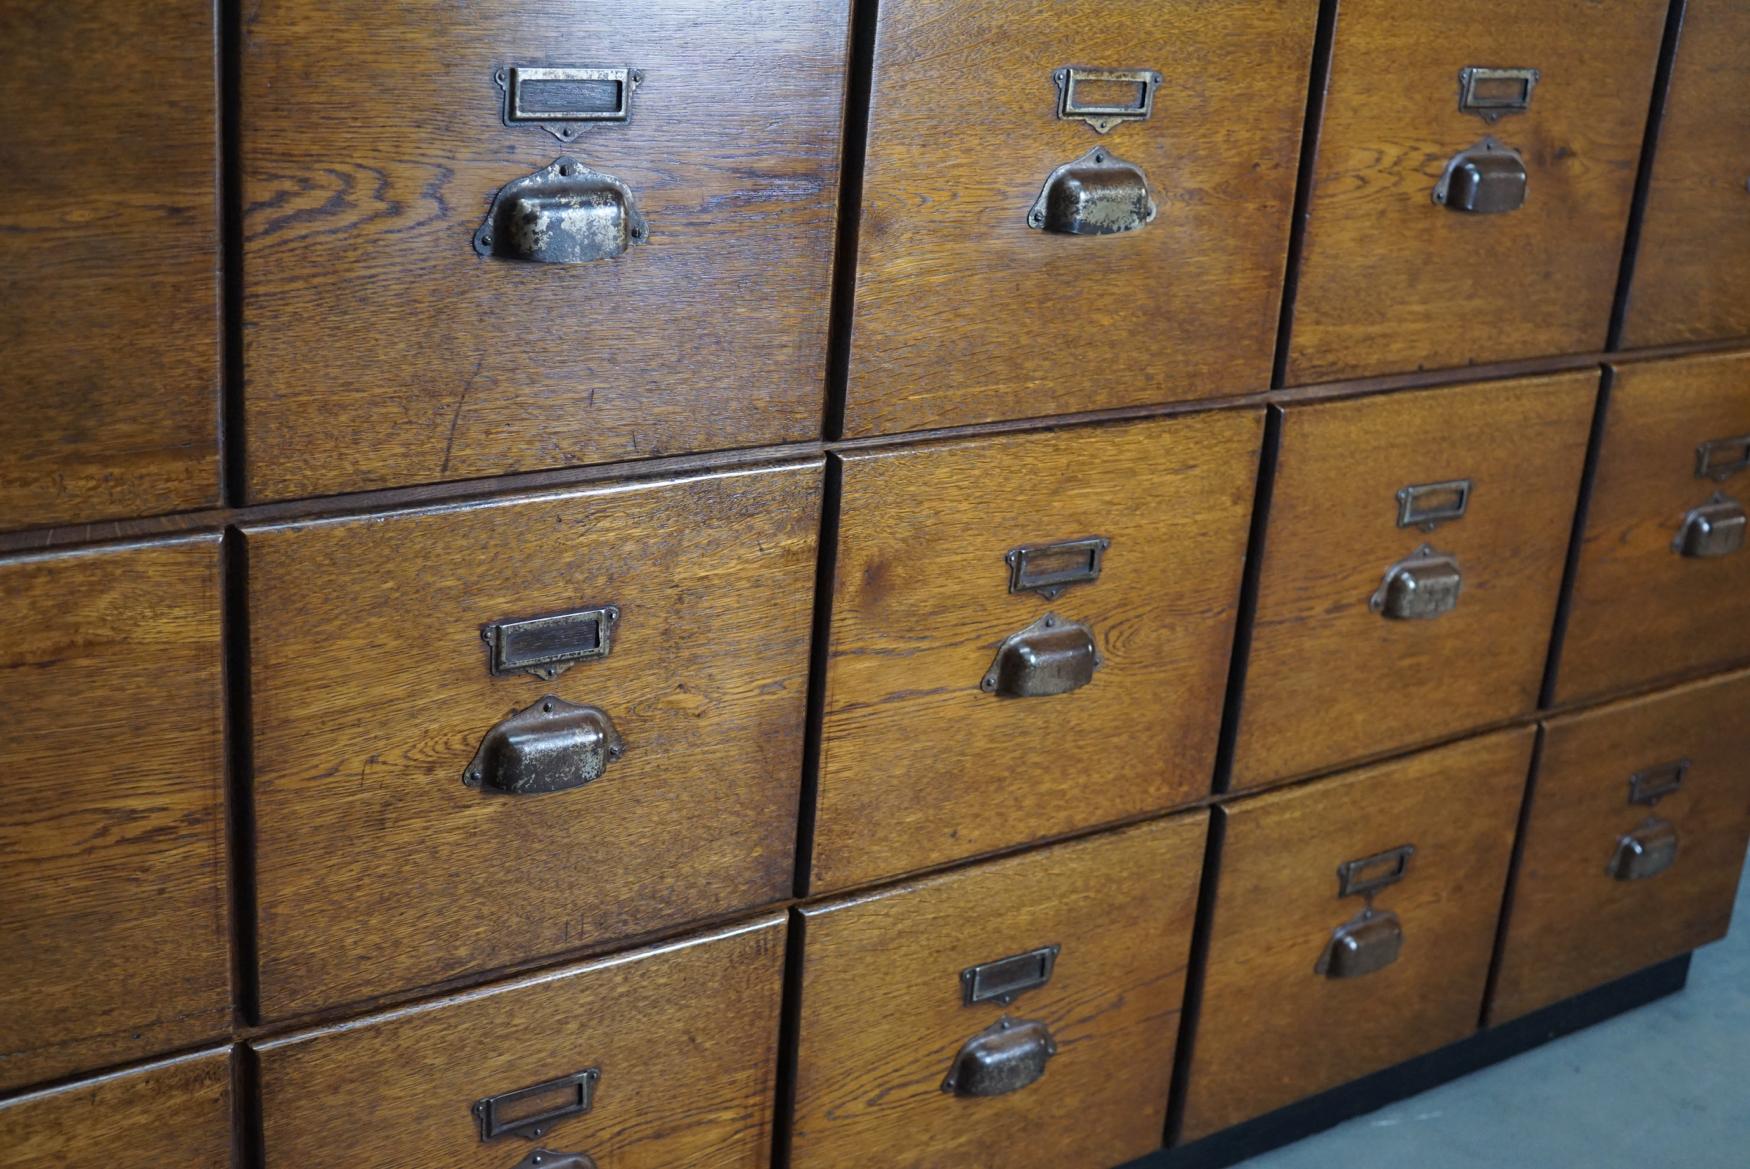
176,1113
967,132
1020,1013
410,832
1411,569
972,705
1640,813
1521,257
1692,266
1307,988
421,360
1662,585
109,306
112,835
662,1057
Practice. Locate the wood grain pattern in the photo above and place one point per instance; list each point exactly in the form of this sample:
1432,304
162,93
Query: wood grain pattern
1329,680
1573,926
171,1115
378,870
685,1037
883,1016
112,834
381,350
1271,1029
1641,612
1389,280
965,314
109,260
1692,267
919,766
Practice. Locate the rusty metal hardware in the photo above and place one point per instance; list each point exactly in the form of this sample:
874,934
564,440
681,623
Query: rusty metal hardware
1714,529
549,747
1097,194
1369,942
1369,874
1420,587
1721,458
564,213
1646,852
1492,93
1002,980
548,1159
1005,1057
1050,656
530,1112
1652,784
1428,505
1048,569
1487,179
1102,117
548,646
564,100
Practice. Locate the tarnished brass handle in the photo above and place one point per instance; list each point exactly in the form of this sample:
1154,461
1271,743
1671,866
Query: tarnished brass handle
1714,529
551,746
548,1159
1487,179
1646,852
564,213
1003,1058
1050,656
1097,194
1419,587
1369,943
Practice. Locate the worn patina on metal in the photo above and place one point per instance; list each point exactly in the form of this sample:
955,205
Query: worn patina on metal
564,213
1486,179
1005,1057
1097,194
1419,587
551,746
1050,656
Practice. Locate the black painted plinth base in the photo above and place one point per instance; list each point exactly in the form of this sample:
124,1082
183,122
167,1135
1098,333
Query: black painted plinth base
1287,1125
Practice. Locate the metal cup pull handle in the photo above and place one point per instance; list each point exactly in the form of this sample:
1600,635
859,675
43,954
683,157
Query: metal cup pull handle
548,1159
1005,1057
1714,529
1366,944
564,213
1646,852
1487,179
1419,588
1097,194
551,746
1050,656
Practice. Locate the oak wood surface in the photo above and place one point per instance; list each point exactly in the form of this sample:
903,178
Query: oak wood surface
1692,267
1573,926
380,350
920,766
966,314
1389,280
378,870
171,1115
1640,611
109,260
684,1036
882,1012
112,833
1328,679
1272,1030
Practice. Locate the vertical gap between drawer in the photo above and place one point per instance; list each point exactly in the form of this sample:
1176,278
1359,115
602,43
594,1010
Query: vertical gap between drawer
854,147
1631,241
1512,884
239,797
1317,82
1195,971
826,568
234,476
789,1036
1582,505
246,1137
1233,705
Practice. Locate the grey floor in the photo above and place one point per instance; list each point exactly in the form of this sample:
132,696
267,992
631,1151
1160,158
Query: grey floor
1662,1087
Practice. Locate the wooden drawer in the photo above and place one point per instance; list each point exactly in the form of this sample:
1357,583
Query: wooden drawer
968,309
662,1057
384,864
909,1052
1586,910
380,349
1295,998
926,755
109,306
112,834
1692,266
1674,456
171,1114
1391,279
1333,675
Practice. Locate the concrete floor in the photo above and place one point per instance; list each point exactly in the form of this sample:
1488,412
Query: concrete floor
1663,1087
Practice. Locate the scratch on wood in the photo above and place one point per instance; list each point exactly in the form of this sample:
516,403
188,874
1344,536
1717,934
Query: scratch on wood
456,415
